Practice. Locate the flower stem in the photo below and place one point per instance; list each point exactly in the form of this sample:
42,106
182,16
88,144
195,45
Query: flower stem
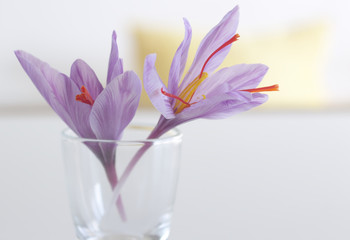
159,130
113,180
128,170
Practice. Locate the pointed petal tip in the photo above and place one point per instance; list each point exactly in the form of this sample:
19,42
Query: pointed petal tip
264,68
77,61
233,15
115,65
235,9
19,53
133,75
23,55
150,59
152,55
186,22
78,64
188,27
257,66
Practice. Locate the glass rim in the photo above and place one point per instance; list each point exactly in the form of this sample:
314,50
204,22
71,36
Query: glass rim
172,135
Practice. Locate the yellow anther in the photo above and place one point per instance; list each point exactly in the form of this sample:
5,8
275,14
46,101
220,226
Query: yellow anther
188,93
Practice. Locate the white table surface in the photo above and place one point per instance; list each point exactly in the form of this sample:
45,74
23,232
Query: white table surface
254,176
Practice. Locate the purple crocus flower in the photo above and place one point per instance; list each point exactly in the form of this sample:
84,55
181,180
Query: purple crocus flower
203,93
90,110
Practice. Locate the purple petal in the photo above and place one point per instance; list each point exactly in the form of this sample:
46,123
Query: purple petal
220,34
65,91
41,74
153,85
82,74
222,106
179,61
235,104
115,107
237,77
44,78
115,66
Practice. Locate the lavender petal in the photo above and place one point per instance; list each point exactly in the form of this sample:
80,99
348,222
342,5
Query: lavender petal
221,106
65,91
115,107
153,85
115,66
237,77
82,74
43,77
179,61
217,36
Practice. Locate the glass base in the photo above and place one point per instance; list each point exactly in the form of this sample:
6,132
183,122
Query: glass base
124,237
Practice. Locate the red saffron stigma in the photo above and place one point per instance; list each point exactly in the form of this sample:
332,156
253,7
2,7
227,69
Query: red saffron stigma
263,89
231,40
176,97
84,97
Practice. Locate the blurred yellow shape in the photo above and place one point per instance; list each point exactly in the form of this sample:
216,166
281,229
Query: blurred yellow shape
296,59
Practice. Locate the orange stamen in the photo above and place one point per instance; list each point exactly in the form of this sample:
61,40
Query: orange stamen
84,97
231,40
263,89
176,97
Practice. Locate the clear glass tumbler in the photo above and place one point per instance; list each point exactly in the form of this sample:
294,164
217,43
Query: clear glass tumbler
128,197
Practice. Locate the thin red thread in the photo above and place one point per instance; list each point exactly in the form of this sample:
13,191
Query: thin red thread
231,40
176,97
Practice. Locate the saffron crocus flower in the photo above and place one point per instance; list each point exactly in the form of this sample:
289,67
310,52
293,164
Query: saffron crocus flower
204,93
90,110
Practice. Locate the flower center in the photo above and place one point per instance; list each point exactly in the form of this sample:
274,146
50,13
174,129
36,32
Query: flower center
183,100
185,97
187,94
85,96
